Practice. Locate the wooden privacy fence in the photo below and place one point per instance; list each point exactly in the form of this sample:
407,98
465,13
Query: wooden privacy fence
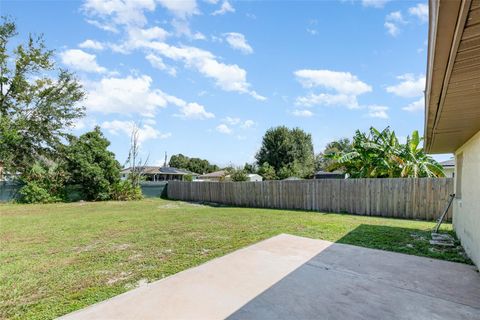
423,198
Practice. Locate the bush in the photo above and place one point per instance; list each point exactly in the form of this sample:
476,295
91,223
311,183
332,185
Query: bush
33,193
125,191
239,175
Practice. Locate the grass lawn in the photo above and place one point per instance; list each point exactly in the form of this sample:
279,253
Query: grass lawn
58,258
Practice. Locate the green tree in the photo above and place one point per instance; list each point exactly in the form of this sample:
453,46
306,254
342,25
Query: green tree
38,102
238,175
196,165
414,162
44,182
250,168
324,162
378,154
179,161
91,166
290,149
267,171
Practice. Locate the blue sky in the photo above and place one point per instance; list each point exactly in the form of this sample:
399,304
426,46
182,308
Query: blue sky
206,78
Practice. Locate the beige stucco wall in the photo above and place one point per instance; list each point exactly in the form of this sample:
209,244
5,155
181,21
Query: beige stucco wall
466,211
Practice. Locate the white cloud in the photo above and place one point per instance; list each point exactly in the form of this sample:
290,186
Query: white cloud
342,82
92,44
145,132
229,77
194,110
102,25
302,113
237,41
395,16
411,86
374,3
223,128
417,105
134,95
80,60
157,62
326,99
182,28
190,110
345,86
248,124
393,21
375,111
392,28
122,12
138,36
124,95
313,32
180,8
420,11
231,120
226,7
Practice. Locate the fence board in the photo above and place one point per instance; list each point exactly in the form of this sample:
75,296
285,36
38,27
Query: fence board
422,199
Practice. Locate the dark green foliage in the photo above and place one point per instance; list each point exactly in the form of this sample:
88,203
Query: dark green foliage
324,162
196,165
44,182
91,166
32,192
250,168
238,175
267,171
124,190
36,107
287,150
378,154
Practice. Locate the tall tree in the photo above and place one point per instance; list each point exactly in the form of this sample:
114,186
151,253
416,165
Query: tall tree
38,102
92,167
196,165
287,150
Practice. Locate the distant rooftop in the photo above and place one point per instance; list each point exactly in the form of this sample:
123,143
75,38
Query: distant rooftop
160,170
448,163
216,174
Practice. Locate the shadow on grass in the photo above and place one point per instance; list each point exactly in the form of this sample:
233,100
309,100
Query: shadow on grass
403,240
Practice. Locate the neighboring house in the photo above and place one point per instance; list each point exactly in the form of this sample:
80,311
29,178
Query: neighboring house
222,175
329,175
254,177
452,107
292,179
157,173
449,168
213,176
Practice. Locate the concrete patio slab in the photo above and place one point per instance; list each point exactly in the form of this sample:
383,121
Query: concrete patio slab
213,290
289,277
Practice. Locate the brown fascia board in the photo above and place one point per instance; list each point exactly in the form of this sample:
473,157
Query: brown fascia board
444,16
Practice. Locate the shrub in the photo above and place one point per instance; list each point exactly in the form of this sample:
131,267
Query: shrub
33,193
239,175
125,191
